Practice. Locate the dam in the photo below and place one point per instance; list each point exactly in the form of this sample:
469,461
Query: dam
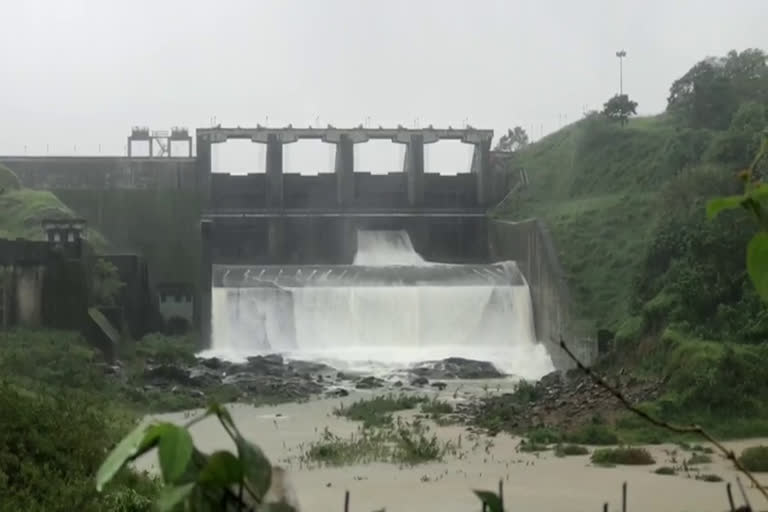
349,264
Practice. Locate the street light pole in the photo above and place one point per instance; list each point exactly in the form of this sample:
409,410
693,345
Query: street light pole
621,54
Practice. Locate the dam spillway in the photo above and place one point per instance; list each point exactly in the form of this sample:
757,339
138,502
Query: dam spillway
390,308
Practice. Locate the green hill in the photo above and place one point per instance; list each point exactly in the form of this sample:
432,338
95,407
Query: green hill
22,211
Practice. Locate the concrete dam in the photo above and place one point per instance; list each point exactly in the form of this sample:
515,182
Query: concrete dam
348,267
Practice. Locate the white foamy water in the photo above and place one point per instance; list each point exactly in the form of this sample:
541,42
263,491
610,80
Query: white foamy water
378,328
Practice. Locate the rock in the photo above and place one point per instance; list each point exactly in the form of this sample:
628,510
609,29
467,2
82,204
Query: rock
398,384
337,393
202,376
457,368
439,385
370,383
168,373
420,381
214,363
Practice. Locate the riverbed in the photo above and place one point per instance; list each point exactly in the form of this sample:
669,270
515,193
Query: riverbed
531,480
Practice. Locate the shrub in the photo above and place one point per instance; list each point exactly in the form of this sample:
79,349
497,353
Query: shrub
594,434
543,435
563,450
436,407
622,455
755,458
709,478
665,470
699,458
377,411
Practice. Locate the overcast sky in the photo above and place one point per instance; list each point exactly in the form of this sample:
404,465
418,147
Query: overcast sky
76,75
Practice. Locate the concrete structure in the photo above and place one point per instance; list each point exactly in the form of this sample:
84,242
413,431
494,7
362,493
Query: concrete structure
531,246
346,188
161,138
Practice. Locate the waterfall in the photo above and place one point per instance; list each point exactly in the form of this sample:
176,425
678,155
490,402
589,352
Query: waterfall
390,308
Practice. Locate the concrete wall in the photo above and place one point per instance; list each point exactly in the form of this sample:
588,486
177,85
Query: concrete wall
99,173
530,245
29,294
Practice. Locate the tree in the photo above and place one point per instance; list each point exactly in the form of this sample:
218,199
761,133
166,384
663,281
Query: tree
619,108
710,92
515,138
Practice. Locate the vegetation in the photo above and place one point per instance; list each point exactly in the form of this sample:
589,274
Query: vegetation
516,138
403,442
622,455
23,211
620,108
377,411
755,458
699,458
8,180
436,408
564,450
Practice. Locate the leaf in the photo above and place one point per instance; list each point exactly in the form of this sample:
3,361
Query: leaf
490,499
715,206
759,193
122,453
170,496
256,467
174,452
757,263
222,468
223,414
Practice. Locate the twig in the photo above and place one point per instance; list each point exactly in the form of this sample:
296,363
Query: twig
730,496
346,501
501,495
692,429
744,494
624,497
605,507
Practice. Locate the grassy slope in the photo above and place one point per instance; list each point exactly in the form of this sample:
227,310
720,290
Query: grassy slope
596,185
21,213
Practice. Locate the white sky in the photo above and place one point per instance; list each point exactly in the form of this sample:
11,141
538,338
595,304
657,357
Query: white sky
75,75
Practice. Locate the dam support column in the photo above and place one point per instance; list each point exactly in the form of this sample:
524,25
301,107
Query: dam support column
203,170
414,170
276,240
345,171
205,302
274,187
481,168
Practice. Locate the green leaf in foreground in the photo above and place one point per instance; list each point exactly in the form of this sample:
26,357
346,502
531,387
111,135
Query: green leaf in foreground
491,499
174,452
757,263
256,467
717,205
126,449
222,468
171,496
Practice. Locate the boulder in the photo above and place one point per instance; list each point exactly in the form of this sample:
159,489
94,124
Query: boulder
370,383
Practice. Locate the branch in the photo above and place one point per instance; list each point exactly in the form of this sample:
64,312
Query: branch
691,429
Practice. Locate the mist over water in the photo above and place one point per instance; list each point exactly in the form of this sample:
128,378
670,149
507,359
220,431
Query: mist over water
378,327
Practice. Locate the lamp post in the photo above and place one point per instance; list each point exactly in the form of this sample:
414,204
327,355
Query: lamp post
621,54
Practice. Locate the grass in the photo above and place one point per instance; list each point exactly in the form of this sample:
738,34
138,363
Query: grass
436,407
699,458
594,434
22,211
755,458
377,411
565,450
402,442
623,456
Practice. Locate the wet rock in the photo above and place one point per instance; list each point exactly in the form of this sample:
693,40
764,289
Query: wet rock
398,384
420,381
439,385
370,382
337,393
214,363
457,368
168,373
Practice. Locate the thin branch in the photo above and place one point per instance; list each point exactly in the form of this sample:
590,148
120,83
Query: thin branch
691,429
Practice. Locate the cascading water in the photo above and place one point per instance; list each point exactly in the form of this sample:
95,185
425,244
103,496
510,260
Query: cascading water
387,310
